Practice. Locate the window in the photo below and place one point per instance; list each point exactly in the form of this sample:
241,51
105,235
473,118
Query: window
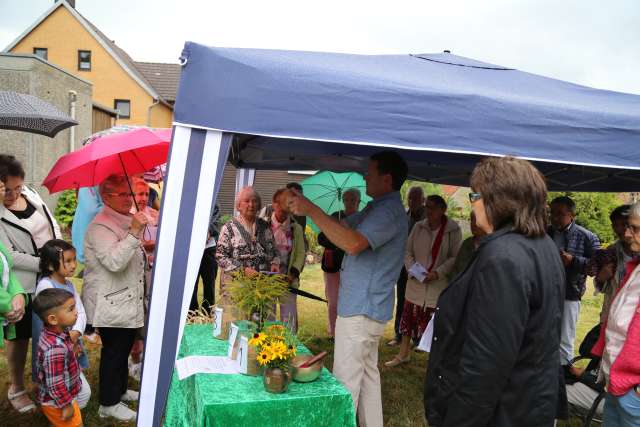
123,107
84,60
41,52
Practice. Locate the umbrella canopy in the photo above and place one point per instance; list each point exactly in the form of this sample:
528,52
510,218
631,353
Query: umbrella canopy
325,189
128,153
314,110
27,113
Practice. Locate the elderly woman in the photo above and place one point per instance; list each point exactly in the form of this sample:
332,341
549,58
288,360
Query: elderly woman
246,242
332,259
27,224
495,355
113,292
619,341
289,241
430,254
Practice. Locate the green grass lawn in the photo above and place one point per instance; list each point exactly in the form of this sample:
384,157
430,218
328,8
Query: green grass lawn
401,386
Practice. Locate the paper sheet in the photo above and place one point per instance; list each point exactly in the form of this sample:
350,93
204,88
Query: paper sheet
418,271
190,365
427,337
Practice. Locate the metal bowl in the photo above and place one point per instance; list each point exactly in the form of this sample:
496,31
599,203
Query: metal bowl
305,375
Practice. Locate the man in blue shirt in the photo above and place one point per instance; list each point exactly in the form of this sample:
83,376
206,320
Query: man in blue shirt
576,245
374,241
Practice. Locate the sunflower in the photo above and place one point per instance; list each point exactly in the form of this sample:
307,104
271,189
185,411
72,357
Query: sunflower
291,349
264,357
257,339
278,350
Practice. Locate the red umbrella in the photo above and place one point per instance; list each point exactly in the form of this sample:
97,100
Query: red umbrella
127,153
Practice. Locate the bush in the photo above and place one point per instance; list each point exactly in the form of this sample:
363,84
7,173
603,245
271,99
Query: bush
312,240
66,208
224,219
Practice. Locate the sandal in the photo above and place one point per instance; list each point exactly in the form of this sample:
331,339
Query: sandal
397,361
26,407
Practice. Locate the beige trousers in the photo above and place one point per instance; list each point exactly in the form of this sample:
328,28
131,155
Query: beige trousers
355,364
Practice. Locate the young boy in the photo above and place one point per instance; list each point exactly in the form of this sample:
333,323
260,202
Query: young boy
57,369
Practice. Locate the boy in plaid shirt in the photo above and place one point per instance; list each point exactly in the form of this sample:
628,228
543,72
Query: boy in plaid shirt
57,369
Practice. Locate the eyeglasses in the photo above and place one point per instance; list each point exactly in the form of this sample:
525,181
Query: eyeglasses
121,195
474,197
17,191
635,229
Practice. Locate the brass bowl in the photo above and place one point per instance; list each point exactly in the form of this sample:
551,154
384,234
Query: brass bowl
305,375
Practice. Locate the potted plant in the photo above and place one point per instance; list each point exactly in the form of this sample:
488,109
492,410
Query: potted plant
256,296
275,347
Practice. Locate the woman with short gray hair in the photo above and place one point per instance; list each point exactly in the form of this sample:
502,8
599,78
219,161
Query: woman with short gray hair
114,290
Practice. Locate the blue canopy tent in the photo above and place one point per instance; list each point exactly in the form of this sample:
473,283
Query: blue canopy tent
269,109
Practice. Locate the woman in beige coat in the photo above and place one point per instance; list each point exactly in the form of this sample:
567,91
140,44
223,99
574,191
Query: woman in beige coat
113,291
430,254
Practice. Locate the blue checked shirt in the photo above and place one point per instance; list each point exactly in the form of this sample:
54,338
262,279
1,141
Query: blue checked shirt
367,280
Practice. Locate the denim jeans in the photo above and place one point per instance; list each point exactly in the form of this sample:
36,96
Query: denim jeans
622,411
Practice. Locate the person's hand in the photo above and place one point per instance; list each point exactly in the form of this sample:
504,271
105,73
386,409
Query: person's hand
67,412
298,204
605,273
2,189
74,335
17,309
250,272
431,276
567,258
138,222
77,349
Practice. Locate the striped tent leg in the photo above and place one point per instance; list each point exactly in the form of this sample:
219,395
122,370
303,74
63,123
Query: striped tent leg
196,164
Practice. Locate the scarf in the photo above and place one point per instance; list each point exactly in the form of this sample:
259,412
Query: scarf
283,236
435,249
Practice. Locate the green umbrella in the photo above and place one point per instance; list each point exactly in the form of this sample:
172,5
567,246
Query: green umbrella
325,189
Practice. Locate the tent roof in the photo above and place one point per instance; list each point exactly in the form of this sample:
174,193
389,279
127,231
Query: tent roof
312,110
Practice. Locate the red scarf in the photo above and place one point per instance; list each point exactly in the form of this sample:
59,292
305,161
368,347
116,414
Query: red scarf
435,249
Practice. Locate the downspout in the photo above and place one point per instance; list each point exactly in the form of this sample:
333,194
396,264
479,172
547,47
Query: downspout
73,97
155,102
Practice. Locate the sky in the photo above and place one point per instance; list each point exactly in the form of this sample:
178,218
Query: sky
588,42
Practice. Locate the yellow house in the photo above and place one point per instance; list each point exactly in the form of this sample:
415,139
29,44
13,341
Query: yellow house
142,93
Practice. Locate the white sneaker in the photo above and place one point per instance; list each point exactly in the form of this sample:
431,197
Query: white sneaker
130,396
119,411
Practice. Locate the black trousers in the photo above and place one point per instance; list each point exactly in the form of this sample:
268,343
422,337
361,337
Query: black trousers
114,367
401,288
208,272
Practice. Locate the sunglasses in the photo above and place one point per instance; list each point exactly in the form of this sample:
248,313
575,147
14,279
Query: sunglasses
474,197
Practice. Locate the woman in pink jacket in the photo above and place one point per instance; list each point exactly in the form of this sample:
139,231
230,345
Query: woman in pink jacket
619,344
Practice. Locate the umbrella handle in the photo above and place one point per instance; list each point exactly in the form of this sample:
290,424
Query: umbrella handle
124,169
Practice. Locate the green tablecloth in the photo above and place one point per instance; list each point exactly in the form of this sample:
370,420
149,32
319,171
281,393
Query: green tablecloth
240,400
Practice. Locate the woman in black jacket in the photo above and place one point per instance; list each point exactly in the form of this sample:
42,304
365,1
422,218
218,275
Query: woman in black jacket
495,355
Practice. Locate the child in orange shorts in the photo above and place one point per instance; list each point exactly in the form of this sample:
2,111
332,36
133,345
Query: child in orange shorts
57,370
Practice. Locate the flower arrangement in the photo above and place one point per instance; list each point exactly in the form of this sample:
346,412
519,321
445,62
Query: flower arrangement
276,346
257,295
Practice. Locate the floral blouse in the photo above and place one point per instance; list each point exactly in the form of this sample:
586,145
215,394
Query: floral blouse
236,248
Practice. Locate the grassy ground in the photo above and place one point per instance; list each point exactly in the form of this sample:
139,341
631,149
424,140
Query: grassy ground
401,386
